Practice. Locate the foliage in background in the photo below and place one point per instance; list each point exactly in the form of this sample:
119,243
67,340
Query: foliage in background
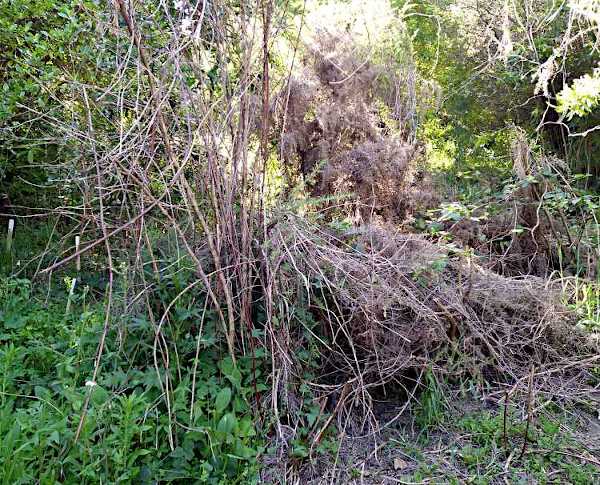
47,47
581,98
491,74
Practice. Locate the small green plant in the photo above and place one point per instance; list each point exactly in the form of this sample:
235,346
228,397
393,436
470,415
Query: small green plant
586,303
430,408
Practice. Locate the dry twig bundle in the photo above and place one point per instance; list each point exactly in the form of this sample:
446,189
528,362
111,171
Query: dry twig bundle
392,305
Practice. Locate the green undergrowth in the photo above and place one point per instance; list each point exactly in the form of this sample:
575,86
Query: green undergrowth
481,445
552,455
47,353
471,449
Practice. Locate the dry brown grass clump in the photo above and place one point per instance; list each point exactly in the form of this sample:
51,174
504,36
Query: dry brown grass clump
392,305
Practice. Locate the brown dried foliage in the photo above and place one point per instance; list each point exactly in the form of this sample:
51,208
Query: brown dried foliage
391,306
399,298
348,120
528,237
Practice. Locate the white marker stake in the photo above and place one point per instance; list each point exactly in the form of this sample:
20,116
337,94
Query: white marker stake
77,241
9,238
71,293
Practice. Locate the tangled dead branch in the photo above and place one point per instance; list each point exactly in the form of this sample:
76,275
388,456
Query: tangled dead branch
390,305
530,233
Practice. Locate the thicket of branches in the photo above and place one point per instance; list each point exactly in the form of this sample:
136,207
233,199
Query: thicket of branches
182,124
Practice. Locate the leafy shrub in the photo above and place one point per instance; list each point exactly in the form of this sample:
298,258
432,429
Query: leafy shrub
46,44
581,97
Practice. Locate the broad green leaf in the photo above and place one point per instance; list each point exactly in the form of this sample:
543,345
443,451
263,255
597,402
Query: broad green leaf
227,424
223,399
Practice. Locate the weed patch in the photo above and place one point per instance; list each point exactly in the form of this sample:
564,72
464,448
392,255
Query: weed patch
46,358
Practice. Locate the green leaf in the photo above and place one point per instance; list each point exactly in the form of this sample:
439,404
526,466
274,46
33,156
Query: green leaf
99,395
227,424
54,437
246,428
223,399
243,452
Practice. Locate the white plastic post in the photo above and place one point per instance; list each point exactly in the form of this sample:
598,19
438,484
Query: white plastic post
9,238
77,241
71,293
